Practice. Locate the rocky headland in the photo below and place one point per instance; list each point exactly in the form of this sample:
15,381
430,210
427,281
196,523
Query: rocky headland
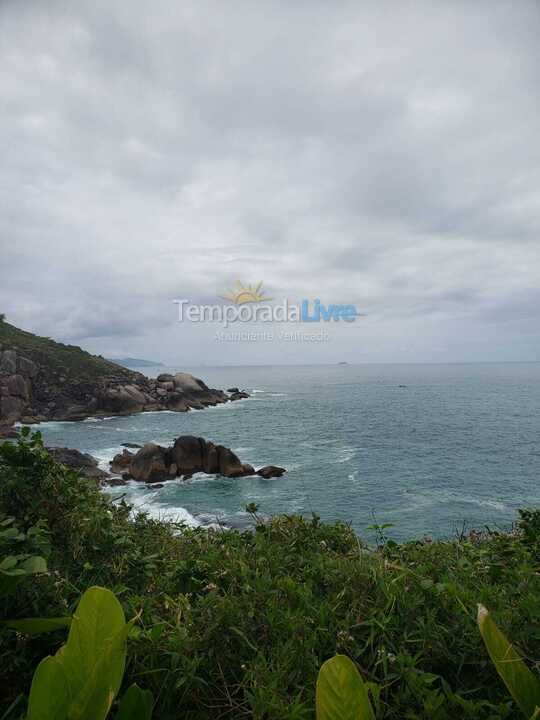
41,379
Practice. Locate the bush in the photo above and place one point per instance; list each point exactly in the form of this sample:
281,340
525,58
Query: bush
237,624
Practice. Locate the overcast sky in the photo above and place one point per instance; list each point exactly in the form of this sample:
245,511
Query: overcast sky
383,154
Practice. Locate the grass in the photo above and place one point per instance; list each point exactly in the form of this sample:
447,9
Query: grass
68,361
236,624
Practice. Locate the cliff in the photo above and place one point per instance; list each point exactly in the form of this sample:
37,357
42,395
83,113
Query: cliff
41,379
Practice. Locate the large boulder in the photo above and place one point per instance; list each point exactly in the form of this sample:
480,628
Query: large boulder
189,383
150,464
177,401
122,400
121,462
76,460
188,453
230,464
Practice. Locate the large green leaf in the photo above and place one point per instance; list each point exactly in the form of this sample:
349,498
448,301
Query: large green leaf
49,693
341,692
97,620
36,626
522,684
89,667
136,704
95,698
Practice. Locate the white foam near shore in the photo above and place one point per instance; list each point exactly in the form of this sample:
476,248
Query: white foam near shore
146,502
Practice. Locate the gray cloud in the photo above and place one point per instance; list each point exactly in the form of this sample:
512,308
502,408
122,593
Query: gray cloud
383,154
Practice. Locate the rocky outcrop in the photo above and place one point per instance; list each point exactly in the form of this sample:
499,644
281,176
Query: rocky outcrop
33,392
7,432
82,462
121,462
188,455
270,471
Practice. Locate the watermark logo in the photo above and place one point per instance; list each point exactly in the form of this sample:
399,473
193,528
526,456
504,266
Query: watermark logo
242,294
250,304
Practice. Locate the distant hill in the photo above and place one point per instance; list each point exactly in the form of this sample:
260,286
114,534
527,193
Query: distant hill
135,362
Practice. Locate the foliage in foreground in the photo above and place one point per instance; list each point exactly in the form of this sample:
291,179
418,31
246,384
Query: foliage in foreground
237,624
82,679
342,694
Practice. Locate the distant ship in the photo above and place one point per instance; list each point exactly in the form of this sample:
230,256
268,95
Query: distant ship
343,362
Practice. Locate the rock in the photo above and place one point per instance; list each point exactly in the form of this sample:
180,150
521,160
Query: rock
270,471
211,459
165,377
16,385
150,464
7,432
229,463
157,486
131,445
168,386
8,362
189,383
176,401
233,390
11,408
238,396
117,480
76,460
188,454
26,367
122,400
121,462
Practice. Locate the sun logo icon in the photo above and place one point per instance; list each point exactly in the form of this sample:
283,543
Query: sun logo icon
242,294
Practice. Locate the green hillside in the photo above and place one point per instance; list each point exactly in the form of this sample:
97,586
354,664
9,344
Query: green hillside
68,360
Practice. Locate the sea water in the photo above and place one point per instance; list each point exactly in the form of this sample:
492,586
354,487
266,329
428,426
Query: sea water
432,449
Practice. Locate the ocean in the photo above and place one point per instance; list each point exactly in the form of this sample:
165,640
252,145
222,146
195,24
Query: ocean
432,449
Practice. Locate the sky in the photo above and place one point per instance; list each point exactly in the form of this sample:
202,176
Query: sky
383,154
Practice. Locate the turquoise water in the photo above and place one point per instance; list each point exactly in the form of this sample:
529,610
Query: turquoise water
426,447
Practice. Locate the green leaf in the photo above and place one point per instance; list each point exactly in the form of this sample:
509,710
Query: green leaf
96,638
341,692
522,684
33,565
81,681
96,696
36,626
49,694
136,704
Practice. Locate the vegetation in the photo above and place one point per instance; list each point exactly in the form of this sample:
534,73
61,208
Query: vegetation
82,680
237,624
68,360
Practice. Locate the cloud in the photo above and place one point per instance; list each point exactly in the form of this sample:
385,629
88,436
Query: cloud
383,154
